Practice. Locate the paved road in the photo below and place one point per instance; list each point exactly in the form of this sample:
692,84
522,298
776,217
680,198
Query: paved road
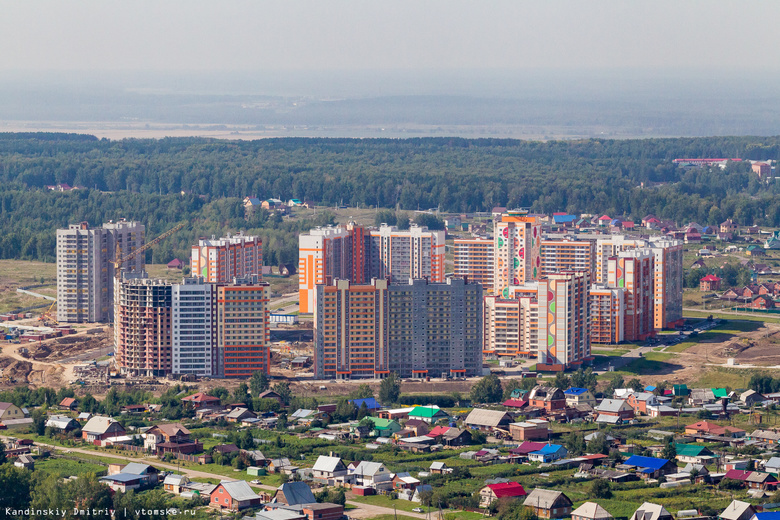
37,295
362,511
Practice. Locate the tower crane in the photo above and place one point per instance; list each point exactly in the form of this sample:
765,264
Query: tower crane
122,259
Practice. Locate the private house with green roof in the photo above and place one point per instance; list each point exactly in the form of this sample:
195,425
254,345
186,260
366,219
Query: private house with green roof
720,393
384,427
693,454
429,414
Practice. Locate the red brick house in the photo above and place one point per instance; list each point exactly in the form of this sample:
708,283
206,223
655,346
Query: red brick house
761,302
709,283
99,428
201,400
235,495
547,398
171,438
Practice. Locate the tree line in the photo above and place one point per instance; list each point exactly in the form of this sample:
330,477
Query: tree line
204,180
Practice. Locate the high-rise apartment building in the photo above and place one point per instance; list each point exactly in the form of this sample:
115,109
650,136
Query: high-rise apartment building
326,254
400,255
568,254
607,314
508,325
194,332
634,272
358,254
668,283
474,259
242,324
548,319
350,330
563,320
415,329
85,269
610,246
206,329
516,246
221,260
142,326
435,329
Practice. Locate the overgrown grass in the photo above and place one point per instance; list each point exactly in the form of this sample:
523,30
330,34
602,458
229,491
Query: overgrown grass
66,467
769,318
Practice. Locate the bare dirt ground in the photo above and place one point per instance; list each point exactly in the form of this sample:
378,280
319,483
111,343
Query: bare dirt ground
760,347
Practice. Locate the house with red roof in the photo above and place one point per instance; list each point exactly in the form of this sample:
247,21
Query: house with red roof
438,432
692,235
69,403
604,220
753,479
504,490
527,447
201,400
515,403
709,283
710,428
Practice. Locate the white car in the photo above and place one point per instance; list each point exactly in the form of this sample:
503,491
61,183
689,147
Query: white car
256,482
418,510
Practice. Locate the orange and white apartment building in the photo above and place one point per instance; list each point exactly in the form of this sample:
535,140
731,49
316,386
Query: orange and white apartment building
221,260
359,254
474,260
207,329
242,323
414,328
607,314
548,320
516,245
568,254
634,272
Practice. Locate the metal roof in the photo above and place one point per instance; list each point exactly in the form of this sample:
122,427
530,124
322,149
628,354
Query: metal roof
239,490
646,462
297,493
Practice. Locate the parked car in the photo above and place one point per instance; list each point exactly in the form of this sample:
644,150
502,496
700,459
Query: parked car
418,510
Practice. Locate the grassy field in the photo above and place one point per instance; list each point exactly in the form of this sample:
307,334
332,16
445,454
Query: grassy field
719,377
651,363
24,272
386,501
398,517
67,467
769,318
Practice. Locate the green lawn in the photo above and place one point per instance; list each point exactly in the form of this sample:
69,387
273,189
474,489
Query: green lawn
386,501
67,467
612,352
396,517
463,515
650,363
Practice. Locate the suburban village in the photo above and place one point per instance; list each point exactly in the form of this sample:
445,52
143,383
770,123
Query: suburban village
403,374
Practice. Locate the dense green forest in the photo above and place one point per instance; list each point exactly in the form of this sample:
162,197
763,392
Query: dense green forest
144,180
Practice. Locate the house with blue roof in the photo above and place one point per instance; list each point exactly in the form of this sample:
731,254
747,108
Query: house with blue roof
549,453
564,220
575,396
768,515
650,467
370,402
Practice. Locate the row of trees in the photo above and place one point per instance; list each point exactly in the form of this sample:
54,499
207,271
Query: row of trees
204,181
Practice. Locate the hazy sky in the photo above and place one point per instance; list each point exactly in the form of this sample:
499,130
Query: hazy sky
253,35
